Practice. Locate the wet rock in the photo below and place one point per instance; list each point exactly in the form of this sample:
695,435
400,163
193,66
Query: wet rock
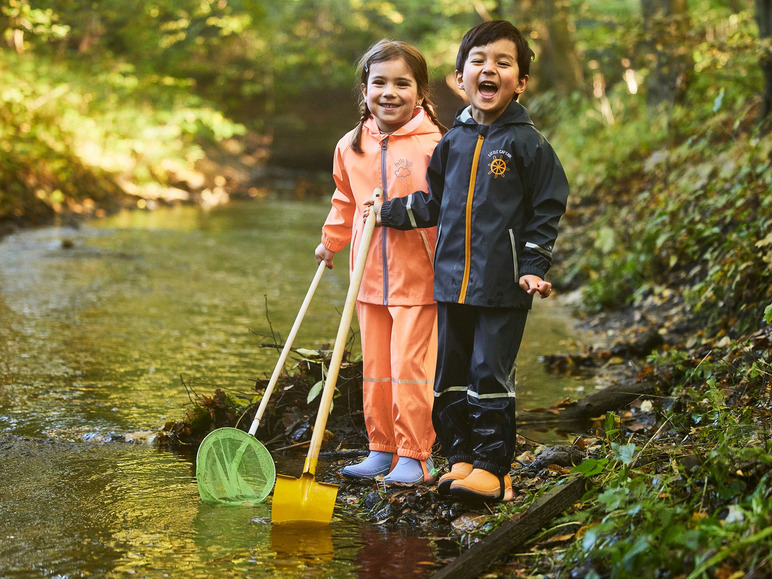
467,523
561,455
385,513
371,501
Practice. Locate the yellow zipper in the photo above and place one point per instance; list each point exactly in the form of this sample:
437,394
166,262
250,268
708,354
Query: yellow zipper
468,226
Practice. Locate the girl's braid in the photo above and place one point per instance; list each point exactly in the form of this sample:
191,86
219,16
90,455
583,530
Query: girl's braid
429,108
356,141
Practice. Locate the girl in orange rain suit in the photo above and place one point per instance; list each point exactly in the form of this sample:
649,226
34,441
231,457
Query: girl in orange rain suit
390,148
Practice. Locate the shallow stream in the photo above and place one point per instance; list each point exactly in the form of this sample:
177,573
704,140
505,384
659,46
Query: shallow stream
99,328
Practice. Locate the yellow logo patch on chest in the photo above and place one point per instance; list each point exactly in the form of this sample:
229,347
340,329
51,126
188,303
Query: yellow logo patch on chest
498,167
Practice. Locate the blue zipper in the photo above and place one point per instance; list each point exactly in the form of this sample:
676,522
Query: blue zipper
384,146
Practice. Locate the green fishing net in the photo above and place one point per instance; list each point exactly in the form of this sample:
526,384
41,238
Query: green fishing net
233,467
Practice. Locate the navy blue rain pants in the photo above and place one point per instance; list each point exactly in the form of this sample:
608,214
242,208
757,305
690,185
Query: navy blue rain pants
474,386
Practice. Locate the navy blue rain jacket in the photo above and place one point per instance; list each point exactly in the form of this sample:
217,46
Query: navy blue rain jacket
497,193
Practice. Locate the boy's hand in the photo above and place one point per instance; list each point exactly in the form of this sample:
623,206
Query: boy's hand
324,255
374,204
533,284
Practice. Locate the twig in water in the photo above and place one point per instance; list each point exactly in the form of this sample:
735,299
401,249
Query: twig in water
291,446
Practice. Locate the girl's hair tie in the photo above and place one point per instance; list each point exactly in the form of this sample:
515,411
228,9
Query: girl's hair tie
367,68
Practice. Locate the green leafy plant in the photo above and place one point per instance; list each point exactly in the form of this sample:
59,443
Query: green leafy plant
661,508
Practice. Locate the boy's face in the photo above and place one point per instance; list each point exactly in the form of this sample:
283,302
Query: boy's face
491,79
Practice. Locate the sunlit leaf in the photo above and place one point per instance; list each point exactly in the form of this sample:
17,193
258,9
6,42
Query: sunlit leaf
624,453
306,353
606,240
314,391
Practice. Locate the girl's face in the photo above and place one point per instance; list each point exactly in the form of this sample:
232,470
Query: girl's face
391,94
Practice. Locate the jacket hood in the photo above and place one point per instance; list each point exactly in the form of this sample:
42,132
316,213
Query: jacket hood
515,114
420,124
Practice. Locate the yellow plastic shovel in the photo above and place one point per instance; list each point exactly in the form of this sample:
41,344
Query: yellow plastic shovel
304,499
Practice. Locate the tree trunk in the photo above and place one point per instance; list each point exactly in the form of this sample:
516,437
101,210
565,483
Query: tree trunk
558,65
562,55
764,20
666,26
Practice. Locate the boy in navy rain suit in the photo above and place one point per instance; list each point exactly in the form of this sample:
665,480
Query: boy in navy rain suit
497,192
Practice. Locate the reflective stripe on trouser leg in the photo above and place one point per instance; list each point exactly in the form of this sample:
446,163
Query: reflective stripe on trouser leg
478,347
491,394
450,414
399,353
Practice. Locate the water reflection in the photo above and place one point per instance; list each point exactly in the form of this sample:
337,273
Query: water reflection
233,537
300,548
406,556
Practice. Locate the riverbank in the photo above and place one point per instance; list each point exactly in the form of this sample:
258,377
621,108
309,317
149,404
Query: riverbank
230,170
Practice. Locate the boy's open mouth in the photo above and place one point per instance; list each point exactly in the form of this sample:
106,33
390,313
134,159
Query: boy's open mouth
487,89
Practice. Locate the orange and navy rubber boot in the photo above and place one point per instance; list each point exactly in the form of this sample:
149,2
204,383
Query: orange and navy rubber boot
458,471
482,485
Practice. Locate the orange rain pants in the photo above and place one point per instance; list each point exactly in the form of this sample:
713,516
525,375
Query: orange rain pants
399,352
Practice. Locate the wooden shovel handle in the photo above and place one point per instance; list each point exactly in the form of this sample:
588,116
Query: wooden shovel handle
340,341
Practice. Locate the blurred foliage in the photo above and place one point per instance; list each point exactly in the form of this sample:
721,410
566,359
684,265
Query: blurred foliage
676,199
135,93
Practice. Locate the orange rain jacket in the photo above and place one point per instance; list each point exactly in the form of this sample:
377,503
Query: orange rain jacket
399,264
396,309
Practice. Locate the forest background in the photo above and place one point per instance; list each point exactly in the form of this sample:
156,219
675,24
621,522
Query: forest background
659,110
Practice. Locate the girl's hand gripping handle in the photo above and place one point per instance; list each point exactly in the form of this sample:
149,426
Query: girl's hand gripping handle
374,204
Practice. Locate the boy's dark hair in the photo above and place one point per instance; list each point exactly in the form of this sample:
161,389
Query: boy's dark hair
492,31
